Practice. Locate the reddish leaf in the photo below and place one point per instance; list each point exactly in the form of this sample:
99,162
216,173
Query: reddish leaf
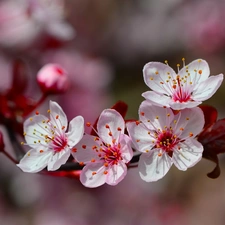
210,114
20,78
213,137
213,141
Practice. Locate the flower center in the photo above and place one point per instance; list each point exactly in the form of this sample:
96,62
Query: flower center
112,154
181,92
166,141
59,142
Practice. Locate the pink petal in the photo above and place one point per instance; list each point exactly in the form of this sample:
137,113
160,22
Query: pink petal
207,88
116,173
157,98
153,167
184,105
57,112
87,149
58,159
34,161
188,155
125,148
93,175
188,123
155,117
156,76
142,141
34,130
198,70
76,130
114,121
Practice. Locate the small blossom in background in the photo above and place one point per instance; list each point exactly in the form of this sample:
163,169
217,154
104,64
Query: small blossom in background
53,79
165,138
51,144
187,89
105,156
26,23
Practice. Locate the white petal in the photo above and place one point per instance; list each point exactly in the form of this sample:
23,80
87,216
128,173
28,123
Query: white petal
184,105
142,141
60,30
35,130
87,149
156,76
58,159
188,122
198,70
188,155
34,161
125,148
76,130
157,98
93,175
155,117
153,167
116,173
57,112
112,119
207,88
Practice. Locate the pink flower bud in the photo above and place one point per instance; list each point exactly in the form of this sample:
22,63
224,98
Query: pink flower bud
53,79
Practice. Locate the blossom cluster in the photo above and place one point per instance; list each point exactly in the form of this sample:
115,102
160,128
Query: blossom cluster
165,133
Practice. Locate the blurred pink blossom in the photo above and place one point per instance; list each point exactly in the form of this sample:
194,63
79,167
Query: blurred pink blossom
89,82
23,22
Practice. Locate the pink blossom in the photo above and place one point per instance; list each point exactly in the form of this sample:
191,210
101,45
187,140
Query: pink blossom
24,22
52,78
105,156
187,89
165,138
51,144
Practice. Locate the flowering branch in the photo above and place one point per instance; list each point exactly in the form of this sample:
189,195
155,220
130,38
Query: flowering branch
171,128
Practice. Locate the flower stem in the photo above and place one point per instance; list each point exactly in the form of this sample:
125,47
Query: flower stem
10,157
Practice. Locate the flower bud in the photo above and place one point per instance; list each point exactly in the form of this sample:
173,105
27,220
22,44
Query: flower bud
53,79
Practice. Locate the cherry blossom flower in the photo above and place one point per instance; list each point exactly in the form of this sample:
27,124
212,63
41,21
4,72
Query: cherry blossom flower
51,144
187,89
105,155
53,79
165,138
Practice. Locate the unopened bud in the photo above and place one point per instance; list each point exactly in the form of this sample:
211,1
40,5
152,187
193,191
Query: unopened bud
53,79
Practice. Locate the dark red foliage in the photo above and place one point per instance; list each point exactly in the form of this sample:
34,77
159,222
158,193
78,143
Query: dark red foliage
14,104
2,145
212,138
